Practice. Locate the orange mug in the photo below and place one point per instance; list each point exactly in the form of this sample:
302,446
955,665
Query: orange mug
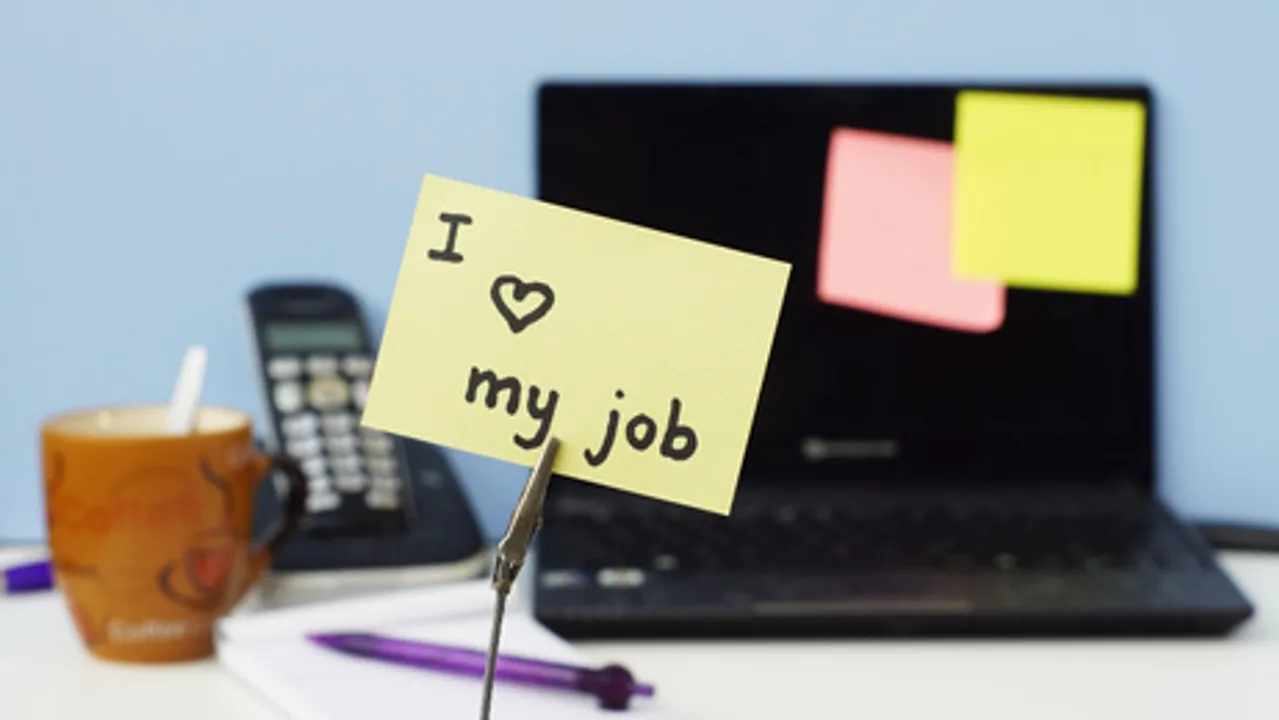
150,533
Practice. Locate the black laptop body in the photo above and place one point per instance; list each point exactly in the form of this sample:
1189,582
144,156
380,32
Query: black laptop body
901,478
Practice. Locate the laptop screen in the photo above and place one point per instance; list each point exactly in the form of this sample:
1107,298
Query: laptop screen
872,376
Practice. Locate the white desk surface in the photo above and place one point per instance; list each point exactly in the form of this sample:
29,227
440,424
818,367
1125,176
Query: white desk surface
45,673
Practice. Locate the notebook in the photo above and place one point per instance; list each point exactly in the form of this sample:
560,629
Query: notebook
269,651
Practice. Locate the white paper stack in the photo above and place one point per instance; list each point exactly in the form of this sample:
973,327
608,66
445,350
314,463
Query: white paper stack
269,650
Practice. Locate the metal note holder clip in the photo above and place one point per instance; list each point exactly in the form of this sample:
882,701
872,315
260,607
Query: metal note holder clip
511,553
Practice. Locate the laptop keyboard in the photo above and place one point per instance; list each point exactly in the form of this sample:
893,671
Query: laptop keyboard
814,539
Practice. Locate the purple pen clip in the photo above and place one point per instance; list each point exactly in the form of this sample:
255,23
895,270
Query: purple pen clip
612,685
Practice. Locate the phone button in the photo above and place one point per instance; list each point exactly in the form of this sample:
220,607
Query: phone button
320,502
304,448
288,397
347,464
303,425
357,366
322,365
341,445
350,482
383,465
338,423
319,485
327,393
382,499
376,442
386,483
360,391
285,367
315,466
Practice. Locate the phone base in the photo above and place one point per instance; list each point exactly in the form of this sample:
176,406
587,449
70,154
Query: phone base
289,589
441,542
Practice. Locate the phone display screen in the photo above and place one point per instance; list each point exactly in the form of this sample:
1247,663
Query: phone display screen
313,336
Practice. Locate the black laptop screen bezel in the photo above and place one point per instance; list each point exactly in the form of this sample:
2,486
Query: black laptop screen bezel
1128,460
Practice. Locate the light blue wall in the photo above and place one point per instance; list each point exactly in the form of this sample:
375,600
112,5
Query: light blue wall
157,157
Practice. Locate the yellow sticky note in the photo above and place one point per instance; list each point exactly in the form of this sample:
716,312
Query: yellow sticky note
1047,191
643,352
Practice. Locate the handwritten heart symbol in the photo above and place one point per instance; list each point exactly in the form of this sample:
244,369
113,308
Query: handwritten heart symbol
521,290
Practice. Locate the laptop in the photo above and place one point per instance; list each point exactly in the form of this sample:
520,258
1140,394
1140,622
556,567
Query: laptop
901,477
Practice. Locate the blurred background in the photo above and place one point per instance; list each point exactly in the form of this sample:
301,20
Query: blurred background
158,158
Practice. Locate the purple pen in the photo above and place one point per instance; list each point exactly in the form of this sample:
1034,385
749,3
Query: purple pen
612,684
27,578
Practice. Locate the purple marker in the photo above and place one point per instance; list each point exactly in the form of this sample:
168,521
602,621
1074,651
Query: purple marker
612,684
27,578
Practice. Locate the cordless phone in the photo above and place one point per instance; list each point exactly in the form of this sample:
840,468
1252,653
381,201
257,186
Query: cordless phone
314,357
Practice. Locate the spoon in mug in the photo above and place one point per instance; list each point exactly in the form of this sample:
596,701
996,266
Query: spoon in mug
186,392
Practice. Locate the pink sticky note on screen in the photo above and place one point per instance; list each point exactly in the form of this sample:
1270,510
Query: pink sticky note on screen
886,234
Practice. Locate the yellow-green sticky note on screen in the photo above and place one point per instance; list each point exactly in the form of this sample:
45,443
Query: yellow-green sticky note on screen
1047,191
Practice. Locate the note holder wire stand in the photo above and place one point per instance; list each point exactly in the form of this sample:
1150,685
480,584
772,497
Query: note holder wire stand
512,551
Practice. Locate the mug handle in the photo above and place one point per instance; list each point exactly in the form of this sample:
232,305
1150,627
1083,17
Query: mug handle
285,526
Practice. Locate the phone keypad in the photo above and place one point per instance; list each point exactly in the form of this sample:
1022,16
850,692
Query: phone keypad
319,398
